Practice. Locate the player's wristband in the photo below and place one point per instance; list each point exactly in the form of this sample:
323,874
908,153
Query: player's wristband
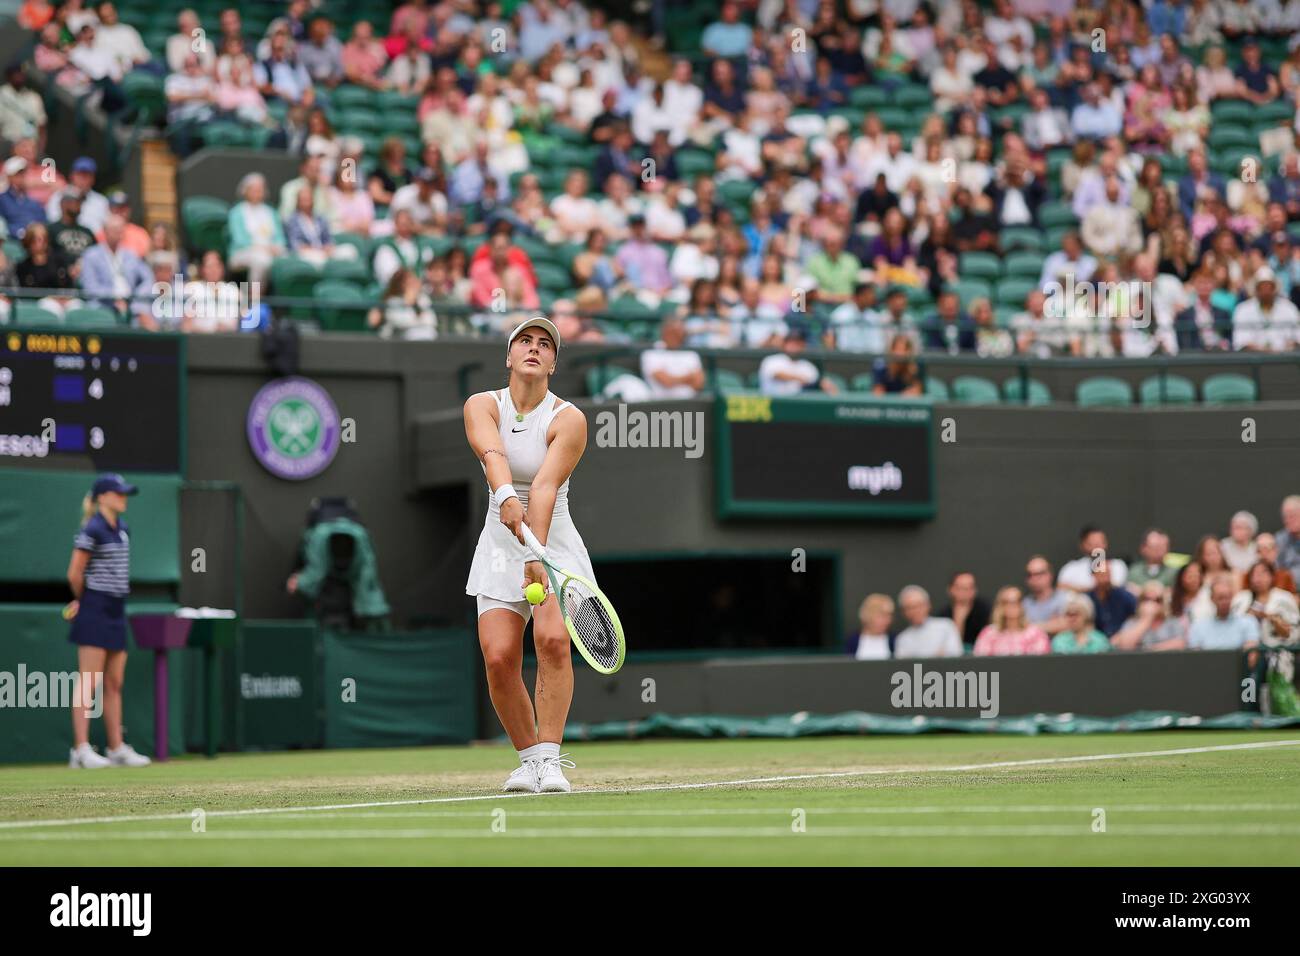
504,494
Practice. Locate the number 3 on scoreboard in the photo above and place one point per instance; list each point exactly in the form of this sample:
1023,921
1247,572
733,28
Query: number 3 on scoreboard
748,408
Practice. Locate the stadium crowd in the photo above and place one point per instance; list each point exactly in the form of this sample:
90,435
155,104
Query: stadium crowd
872,176
1236,592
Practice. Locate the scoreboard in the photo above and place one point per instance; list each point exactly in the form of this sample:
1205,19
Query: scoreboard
822,456
115,399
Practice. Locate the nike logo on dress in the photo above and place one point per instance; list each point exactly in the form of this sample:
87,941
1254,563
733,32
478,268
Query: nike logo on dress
516,431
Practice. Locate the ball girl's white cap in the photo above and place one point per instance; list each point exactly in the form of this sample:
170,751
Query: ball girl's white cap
537,321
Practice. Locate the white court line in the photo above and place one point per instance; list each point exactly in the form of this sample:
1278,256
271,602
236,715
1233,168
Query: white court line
642,833
778,811
662,787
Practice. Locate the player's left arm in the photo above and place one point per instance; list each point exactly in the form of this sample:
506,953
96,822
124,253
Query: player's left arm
566,441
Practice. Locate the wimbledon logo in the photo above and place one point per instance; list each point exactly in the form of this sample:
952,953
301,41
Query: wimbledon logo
293,428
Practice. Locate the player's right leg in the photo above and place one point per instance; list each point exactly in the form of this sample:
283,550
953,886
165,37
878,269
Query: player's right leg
90,661
501,638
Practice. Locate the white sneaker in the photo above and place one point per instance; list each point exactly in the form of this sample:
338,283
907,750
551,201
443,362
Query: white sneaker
524,779
550,776
125,756
84,757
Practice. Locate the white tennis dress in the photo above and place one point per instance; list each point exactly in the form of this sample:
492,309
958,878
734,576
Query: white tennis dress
498,568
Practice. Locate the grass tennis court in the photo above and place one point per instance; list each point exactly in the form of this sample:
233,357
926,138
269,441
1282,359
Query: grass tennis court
1168,800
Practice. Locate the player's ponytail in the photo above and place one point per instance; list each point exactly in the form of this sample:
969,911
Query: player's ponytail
87,508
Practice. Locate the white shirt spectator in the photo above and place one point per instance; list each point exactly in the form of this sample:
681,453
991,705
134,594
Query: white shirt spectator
674,362
122,41
1077,574
1274,330
423,211
780,362
94,210
860,330
937,637
758,325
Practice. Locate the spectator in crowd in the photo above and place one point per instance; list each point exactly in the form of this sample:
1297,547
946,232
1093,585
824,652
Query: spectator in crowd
120,40
94,205
400,250
1009,633
1203,326
1112,605
924,636
950,329
281,75
1274,608
573,326
1068,262
1078,575
256,236
182,43
1223,630
363,58
1239,546
1078,635
67,235
872,640
500,284
423,199
1266,322
159,313
351,209
897,373
1154,627
969,612
760,324
111,273
17,208
643,263
212,304
1155,564
100,67
1209,555
321,53
1044,603
1288,538
788,373
1266,547
1199,186
669,369
134,237
1111,227
45,269
22,109
1190,597
406,311
308,234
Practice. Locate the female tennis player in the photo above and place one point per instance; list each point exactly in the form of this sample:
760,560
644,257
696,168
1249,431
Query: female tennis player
528,441
99,575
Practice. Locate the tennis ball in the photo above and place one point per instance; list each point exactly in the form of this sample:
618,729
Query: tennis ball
535,593
69,612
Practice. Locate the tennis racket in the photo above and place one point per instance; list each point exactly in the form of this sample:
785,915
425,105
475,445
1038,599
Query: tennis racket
589,618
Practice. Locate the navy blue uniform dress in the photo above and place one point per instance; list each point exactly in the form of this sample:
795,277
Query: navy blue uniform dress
101,616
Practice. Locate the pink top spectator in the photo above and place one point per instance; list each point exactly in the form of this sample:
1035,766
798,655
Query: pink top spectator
995,643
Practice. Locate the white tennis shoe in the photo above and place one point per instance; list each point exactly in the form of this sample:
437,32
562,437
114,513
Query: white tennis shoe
550,776
125,756
524,779
85,758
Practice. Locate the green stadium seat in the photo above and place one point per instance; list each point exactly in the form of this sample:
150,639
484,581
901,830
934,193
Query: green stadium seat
1103,390
225,133
693,162
1228,387
145,99
968,290
27,312
552,277
363,244
862,382
598,378
1230,111
1022,237
293,278
725,380
359,121
837,380
352,98
391,101
204,220
1013,390
348,271
341,306
1228,137
973,390
91,318
937,389
979,265
1013,291
868,97
1024,265
736,192
895,120
1057,213
400,123
1167,390
913,96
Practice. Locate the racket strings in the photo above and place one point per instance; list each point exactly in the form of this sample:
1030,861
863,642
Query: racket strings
595,629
